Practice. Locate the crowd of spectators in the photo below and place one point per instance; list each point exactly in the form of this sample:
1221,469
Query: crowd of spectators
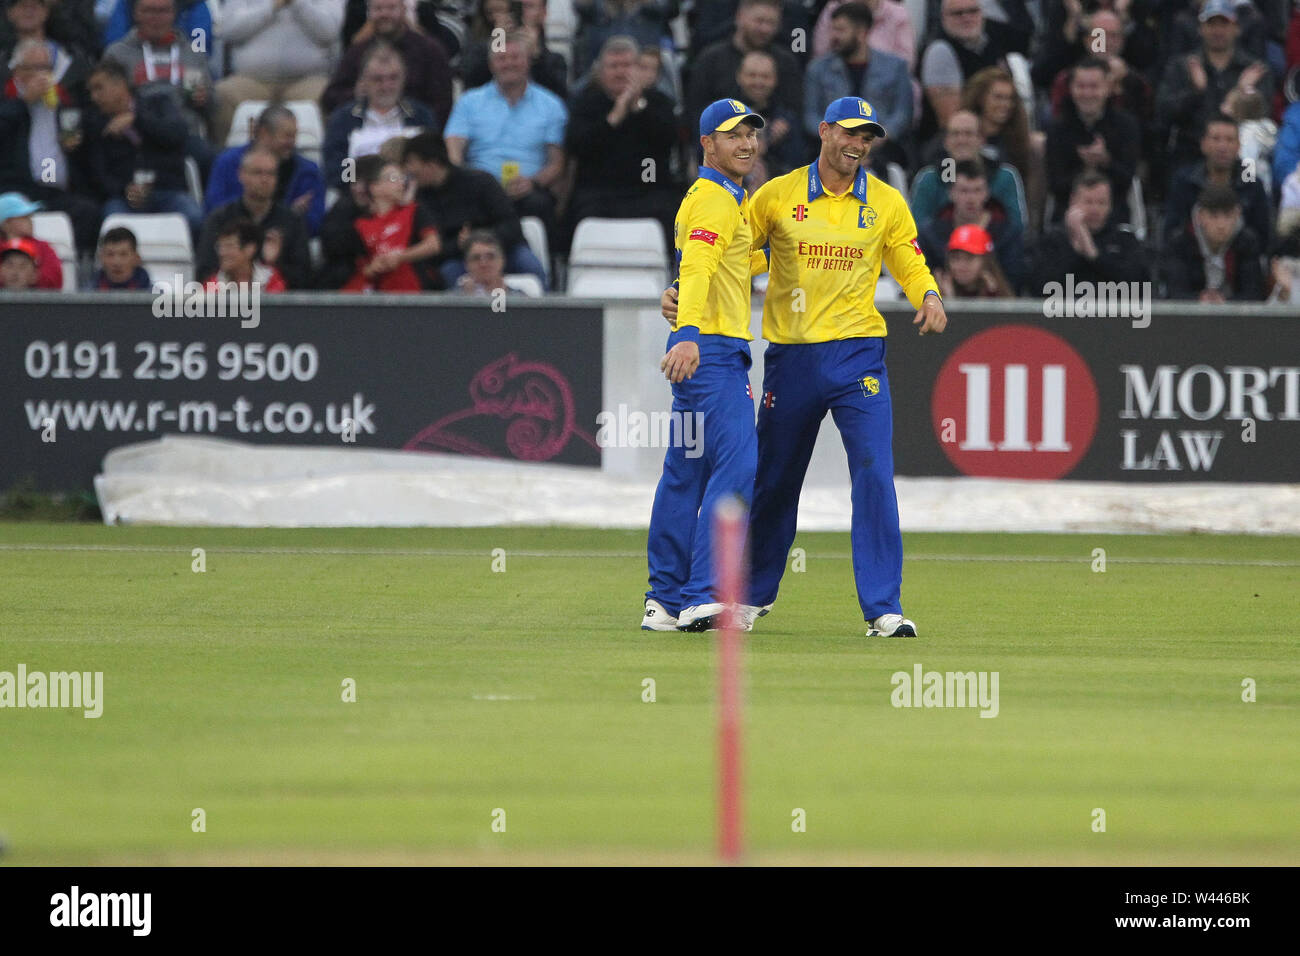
1111,140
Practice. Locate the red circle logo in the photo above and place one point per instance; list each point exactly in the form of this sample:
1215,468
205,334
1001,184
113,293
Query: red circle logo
1015,402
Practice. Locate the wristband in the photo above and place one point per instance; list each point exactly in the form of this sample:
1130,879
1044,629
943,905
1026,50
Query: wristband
929,292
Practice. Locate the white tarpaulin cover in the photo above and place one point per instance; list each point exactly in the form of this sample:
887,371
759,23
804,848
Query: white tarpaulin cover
206,481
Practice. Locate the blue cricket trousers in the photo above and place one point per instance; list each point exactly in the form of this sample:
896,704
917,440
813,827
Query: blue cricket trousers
695,479
800,383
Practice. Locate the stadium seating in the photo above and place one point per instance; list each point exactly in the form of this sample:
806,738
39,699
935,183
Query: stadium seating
1137,210
163,240
535,236
527,283
897,177
627,251
241,126
311,128
194,180
620,243
561,29
606,283
56,229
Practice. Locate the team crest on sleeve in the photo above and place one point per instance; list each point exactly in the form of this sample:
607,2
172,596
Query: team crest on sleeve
916,246
870,386
704,236
866,217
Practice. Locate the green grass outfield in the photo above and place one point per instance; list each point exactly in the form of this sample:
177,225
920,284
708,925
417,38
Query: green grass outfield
522,691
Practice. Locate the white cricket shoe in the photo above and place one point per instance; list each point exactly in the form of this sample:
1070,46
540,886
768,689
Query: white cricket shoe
891,625
657,619
750,614
701,617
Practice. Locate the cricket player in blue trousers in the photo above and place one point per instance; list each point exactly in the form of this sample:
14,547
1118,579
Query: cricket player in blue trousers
828,227
708,363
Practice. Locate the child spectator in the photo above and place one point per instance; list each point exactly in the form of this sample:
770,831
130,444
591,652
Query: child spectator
398,235
16,223
237,247
17,265
120,267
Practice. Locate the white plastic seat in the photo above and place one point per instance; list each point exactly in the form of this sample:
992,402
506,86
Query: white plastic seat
194,180
241,126
1137,210
604,283
56,229
897,177
624,243
888,289
527,283
311,129
535,235
311,126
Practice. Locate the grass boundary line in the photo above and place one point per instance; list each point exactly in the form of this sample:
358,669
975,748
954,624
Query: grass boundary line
527,553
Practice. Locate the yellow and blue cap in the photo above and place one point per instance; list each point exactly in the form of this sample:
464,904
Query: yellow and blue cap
722,115
853,112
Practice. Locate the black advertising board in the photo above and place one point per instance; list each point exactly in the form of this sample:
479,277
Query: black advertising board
85,374
1195,395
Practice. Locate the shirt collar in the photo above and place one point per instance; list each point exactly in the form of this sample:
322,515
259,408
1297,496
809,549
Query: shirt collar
816,189
713,176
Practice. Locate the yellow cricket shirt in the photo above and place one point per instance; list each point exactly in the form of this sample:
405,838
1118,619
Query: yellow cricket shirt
713,241
825,253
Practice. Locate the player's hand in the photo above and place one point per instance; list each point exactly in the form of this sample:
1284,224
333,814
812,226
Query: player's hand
931,317
681,361
668,305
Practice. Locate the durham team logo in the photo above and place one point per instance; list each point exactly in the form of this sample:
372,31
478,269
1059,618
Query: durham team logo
870,386
737,106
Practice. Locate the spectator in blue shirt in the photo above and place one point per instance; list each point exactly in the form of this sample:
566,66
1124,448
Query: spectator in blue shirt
299,183
513,129
191,15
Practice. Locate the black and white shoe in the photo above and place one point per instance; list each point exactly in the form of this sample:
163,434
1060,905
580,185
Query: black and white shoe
657,619
701,617
891,625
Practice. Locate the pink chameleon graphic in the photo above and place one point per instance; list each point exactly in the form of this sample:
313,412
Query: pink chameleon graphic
532,396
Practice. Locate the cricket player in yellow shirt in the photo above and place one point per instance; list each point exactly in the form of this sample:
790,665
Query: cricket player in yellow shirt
708,363
827,229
